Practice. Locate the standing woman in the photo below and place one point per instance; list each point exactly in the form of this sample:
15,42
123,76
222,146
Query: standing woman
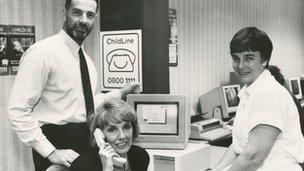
118,122
266,131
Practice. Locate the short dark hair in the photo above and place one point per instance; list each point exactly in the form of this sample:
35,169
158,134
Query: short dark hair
276,73
252,39
68,4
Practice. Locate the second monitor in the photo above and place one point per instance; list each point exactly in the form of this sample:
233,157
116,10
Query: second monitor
164,120
294,86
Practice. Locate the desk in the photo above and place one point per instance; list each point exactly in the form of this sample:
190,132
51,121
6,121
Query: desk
216,154
195,157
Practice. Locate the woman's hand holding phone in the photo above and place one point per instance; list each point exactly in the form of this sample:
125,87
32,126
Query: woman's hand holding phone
106,155
106,152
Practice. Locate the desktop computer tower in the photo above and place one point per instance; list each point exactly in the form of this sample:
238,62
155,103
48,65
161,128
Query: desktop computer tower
195,157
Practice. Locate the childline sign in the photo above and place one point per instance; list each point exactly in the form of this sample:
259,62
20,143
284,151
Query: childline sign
121,58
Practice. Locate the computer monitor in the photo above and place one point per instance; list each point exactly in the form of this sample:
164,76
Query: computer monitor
294,87
220,102
164,120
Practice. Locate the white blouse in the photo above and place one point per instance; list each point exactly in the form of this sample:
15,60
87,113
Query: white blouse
265,101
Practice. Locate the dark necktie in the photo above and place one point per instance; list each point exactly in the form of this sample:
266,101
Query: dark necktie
86,84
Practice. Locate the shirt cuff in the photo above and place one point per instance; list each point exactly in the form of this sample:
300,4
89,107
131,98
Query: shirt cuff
100,97
114,93
44,148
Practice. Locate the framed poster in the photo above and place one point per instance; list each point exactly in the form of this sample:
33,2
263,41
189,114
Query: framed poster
19,39
3,51
120,58
173,47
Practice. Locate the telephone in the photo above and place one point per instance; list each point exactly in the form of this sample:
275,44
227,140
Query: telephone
121,60
117,160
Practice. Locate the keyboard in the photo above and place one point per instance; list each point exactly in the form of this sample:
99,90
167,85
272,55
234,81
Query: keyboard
215,134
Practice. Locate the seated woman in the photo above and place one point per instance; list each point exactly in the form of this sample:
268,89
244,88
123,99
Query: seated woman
118,122
266,131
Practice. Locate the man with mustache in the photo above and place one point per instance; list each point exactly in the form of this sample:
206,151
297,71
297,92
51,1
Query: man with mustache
48,105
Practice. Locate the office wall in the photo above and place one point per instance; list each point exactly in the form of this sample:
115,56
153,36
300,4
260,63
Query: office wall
302,71
45,15
205,28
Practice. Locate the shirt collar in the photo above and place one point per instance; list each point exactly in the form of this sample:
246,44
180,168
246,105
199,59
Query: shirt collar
73,46
265,75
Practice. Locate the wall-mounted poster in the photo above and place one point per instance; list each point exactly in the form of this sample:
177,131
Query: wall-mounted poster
3,51
173,47
121,57
19,39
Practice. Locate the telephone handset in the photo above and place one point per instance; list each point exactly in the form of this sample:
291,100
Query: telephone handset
117,160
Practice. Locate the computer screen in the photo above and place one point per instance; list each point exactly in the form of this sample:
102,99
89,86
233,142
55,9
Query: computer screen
230,93
295,87
157,118
164,120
